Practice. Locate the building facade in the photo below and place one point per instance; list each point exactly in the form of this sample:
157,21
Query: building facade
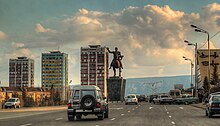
55,72
21,72
94,66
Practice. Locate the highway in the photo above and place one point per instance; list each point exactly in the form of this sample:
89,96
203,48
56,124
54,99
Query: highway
143,114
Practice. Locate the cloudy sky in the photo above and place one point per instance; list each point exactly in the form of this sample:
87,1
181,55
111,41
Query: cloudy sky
149,33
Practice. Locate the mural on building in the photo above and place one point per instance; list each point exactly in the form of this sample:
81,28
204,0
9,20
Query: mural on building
203,63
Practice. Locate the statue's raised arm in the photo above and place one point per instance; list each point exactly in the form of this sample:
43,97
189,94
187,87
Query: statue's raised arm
116,61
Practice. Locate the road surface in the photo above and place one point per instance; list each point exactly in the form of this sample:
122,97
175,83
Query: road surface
143,114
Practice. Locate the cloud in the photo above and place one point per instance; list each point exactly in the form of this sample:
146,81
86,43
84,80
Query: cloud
2,35
40,29
149,37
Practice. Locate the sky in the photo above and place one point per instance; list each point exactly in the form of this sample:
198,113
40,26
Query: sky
149,33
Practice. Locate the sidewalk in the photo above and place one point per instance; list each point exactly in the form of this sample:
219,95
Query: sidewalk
200,105
26,109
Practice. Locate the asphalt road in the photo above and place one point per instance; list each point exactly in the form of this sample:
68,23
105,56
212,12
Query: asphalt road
144,114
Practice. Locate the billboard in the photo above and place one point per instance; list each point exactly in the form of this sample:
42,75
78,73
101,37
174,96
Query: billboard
203,62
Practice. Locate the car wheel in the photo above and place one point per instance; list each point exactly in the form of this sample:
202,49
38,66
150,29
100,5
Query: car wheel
206,114
106,114
79,116
136,103
88,102
71,117
209,114
101,117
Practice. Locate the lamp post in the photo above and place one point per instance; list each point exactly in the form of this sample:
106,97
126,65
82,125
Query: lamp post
196,62
197,29
191,71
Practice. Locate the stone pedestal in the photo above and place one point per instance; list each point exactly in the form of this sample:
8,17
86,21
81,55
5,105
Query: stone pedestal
116,88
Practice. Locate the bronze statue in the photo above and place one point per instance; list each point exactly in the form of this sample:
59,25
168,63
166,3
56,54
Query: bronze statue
116,61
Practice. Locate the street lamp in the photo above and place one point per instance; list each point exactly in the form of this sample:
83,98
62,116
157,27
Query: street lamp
197,29
196,81
191,72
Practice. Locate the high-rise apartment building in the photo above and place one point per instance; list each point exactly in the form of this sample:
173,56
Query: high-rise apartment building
94,66
55,72
21,72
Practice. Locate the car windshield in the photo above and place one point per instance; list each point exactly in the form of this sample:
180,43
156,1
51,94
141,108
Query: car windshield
88,92
11,100
164,96
216,98
131,96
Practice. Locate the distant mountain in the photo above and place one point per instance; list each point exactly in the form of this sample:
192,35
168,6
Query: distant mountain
150,85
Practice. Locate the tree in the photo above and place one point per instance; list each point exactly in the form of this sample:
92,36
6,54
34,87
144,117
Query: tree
56,98
24,97
206,85
215,79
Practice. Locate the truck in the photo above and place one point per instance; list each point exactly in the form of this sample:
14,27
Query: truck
186,99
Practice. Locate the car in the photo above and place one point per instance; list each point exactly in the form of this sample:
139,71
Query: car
141,98
151,97
131,99
212,105
12,103
163,98
146,98
85,100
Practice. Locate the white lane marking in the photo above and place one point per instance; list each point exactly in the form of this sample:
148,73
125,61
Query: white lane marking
18,116
129,111
133,109
96,125
150,107
139,105
113,119
58,119
170,116
29,124
165,108
167,112
122,114
173,122
136,107
117,108
181,107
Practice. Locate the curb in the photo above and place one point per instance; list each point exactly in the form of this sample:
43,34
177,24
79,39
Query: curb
201,107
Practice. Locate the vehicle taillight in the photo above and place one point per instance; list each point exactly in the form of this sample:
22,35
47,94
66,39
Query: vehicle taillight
215,105
69,105
98,105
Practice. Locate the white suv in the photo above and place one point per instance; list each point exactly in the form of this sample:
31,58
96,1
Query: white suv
86,100
12,103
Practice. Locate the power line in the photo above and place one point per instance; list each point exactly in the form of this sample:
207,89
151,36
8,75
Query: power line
209,39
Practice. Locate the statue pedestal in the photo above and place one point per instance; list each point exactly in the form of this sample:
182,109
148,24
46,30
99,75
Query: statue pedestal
116,88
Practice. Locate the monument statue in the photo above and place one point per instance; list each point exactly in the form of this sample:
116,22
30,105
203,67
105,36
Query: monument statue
116,61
